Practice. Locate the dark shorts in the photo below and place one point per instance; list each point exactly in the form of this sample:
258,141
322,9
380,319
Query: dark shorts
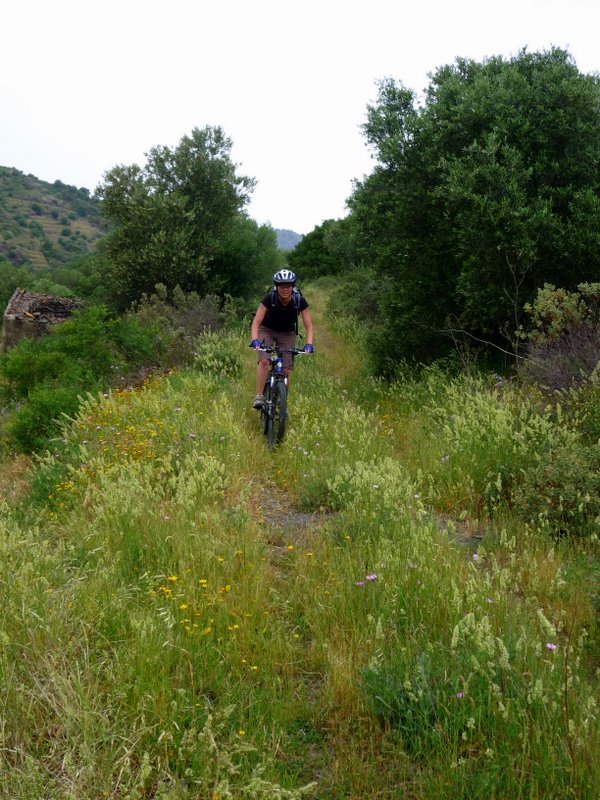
283,339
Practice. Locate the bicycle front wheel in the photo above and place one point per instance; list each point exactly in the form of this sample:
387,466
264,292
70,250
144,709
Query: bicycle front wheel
264,413
278,417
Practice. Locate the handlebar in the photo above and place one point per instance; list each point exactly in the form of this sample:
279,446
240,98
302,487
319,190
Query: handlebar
280,350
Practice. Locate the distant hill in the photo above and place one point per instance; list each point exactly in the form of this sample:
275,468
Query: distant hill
49,224
287,240
45,224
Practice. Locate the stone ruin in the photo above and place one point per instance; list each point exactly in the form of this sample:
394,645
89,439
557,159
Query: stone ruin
29,315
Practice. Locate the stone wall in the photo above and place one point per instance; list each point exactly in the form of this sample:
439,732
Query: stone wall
29,315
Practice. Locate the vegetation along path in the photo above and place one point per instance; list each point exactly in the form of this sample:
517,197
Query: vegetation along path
185,614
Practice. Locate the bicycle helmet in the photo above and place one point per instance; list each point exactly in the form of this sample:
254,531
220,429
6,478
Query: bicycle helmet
284,276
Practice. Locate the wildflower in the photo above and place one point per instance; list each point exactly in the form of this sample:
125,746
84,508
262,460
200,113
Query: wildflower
290,547
376,486
460,695
372,577
241,732
309,554
550,646
490,600
360,583
172,578
475,557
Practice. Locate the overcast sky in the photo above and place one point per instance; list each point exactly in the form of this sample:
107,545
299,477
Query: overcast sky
86,85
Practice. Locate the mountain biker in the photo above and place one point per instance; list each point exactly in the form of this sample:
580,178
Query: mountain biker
276,321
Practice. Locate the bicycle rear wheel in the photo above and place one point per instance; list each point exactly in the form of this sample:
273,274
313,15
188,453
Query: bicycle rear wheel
278,417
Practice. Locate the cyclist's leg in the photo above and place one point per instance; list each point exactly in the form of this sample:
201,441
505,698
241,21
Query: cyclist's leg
287,341
262,366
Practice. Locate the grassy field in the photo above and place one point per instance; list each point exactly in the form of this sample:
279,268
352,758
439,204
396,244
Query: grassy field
358,614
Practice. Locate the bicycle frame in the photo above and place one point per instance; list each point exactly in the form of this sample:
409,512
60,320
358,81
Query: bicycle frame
274,412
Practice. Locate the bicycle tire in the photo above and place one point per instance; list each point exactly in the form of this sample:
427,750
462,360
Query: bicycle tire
264,412
279,411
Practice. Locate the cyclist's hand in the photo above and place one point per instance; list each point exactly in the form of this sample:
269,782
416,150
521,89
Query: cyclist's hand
308,348
255,343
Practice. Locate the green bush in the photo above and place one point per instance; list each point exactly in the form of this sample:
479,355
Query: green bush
85,354
562,490
38,420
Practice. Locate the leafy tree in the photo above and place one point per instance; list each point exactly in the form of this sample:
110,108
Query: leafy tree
170,217
480,195
247,258
312,256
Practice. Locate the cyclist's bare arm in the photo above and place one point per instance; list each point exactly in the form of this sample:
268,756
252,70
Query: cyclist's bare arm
308,325
257,321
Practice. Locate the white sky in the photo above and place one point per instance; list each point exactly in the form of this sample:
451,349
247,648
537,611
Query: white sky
86,85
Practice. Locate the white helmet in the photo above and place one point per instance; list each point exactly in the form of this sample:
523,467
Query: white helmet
284,276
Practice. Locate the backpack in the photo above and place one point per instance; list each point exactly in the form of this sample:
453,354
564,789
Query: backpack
296,295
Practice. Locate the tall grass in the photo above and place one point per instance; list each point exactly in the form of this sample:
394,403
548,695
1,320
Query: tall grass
162,637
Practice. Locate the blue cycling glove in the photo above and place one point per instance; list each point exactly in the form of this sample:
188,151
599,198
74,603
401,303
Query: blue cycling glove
255,343
308,348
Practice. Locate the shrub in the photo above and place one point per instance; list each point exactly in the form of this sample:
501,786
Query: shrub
86,353
564,340
562,489
218,354
176,321
37,421
563,362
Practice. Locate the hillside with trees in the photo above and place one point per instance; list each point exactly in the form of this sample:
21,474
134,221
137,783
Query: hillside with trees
45,225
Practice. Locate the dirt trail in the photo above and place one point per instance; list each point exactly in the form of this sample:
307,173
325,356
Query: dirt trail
336,353
284,522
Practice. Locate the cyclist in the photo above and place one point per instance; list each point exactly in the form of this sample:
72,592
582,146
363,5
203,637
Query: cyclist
276,321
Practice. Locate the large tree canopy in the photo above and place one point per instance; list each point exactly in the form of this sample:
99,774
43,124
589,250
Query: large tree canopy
481,194
172,220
